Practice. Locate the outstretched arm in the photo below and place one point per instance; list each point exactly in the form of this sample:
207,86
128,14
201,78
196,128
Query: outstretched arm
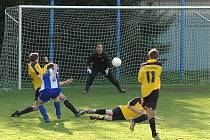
131,106
90,60
140,112
107,60
66,82
140,75
55,69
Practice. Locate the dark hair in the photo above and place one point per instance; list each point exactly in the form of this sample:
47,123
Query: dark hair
98,43
153,54
33,57
50,65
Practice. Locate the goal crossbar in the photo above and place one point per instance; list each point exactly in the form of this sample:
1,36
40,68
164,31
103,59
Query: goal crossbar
115,7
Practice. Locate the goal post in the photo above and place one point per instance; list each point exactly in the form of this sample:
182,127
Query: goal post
78,28
19,47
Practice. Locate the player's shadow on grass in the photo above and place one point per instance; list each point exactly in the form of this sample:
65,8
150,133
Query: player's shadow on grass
55,125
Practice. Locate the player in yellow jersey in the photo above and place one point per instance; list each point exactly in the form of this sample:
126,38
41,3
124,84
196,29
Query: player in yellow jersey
35,73
130,111
149,78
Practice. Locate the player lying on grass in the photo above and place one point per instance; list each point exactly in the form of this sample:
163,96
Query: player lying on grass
50,89
130,111
35,72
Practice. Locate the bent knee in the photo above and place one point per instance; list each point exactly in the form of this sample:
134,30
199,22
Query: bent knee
61,97
109,112
57,99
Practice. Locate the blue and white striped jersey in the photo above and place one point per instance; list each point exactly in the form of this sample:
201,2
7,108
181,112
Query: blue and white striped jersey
48,82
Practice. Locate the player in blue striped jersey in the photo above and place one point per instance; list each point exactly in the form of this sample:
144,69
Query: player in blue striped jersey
50,81
35,73
50,89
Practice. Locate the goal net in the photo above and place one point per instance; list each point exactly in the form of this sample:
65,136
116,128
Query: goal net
181,34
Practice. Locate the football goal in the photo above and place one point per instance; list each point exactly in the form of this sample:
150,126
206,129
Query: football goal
68,35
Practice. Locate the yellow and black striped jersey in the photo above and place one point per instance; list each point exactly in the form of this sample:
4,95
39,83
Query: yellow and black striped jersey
128,113
149,76
35,73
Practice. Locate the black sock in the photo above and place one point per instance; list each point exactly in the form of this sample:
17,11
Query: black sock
118,87
140,118
26,110
87,88
152,126
101,111
70,106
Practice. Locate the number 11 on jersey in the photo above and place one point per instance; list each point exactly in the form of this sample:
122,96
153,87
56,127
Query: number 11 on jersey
150,76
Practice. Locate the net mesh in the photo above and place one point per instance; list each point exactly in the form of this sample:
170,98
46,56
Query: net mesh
76,32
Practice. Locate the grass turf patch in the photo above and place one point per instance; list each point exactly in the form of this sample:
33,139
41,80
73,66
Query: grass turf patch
184,114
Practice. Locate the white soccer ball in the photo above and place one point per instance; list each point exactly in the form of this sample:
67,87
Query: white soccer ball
116,62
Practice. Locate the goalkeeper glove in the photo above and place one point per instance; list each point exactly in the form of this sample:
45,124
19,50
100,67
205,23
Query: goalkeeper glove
107,71
89,71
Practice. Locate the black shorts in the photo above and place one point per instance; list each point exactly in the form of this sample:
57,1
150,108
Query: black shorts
37,93
117,114
151,100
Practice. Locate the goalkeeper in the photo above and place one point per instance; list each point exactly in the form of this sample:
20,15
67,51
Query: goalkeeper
99,62
35,72
130,111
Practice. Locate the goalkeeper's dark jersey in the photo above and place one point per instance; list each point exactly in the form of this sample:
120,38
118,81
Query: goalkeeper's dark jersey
99,61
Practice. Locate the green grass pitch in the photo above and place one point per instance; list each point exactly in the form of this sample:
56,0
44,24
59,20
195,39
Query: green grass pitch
184,114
